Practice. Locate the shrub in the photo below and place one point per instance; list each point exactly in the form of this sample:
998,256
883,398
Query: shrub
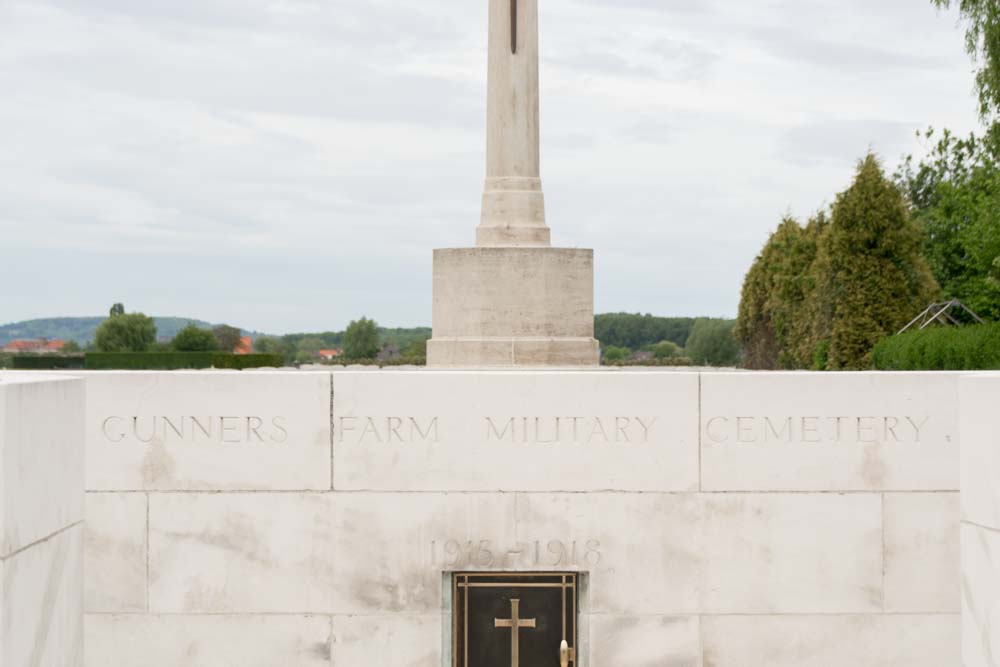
612,353
667,350
941,349
193,339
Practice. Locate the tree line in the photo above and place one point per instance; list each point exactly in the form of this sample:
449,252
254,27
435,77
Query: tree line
699,341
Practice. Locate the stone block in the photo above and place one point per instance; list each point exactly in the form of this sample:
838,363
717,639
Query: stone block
830,432
208,430
41,603
115,552
387,641
392,549
241,553
980,596
491,431
827,641
619,641
513,292
922,553
980,429
713,553
41,457
487,299
207,641
320,553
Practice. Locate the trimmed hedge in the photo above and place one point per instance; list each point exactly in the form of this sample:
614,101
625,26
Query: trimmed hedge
41,362
941,349
171,361
398,361
240,362
639,363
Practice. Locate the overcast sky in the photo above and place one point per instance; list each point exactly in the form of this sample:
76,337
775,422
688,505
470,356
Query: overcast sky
288,165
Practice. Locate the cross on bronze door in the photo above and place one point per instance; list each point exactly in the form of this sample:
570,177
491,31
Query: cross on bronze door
538,609
515,623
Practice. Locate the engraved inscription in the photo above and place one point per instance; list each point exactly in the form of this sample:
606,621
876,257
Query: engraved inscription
858,430
372,430
538,553
226,429
553,430
510,430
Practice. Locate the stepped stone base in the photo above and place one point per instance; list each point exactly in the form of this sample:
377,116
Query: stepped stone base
513,307
492,352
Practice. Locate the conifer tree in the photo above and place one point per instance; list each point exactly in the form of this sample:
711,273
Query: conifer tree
774,328
870,277
755,325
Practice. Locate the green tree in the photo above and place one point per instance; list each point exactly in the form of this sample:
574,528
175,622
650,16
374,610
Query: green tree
193,339
361,340
982,41
955,195
71,347
116,310
227,338
713,343
131,332
269,345
871,278
416,349
773,326
308,349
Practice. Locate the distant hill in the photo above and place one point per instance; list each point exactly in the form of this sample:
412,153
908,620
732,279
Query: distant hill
81,329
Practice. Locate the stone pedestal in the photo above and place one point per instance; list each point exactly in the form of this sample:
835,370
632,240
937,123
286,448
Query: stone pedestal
513,307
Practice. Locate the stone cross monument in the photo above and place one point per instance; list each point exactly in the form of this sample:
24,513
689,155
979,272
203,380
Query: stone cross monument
513,300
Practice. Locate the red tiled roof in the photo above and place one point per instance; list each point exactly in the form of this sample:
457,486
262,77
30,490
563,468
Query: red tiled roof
36,345
245,346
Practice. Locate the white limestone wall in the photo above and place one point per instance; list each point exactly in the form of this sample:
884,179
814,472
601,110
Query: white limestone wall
41,520
980,429
723,520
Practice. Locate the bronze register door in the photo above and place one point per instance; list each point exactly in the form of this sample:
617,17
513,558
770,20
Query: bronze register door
514,620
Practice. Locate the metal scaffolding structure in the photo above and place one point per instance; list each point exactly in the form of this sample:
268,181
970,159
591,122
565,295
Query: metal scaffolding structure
946,313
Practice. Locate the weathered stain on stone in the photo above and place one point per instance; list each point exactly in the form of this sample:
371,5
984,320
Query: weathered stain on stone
873,468
47,605
157,465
